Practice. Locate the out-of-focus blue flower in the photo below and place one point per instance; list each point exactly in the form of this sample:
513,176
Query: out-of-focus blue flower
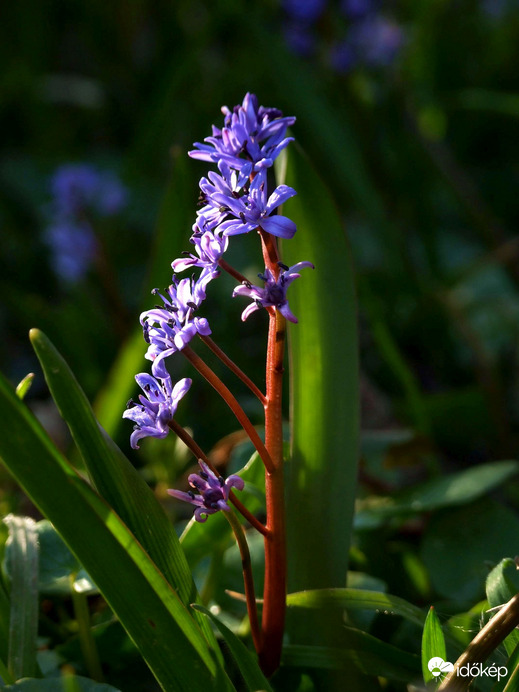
343,57
304,10
213,492
377,40
82,188
274,293
157,408
355,9
176,322
73,246
80,193
300,38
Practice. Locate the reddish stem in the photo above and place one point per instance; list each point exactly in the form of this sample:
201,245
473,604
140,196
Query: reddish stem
233,368
232,271
274,595
199,454
248,579
231,402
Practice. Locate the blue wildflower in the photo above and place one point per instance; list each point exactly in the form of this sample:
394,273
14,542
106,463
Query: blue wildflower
273,294
213,492
176,322
157,408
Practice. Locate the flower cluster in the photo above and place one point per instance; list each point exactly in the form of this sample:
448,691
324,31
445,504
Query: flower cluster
372,38
81,193
154,411
213,492
235,200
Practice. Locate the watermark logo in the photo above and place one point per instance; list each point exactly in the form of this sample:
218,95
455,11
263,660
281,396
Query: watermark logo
437,666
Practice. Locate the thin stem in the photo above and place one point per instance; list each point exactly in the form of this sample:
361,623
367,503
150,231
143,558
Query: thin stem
234,368
199,454
232,271
274,595
232,403
480,648
247,579
86,640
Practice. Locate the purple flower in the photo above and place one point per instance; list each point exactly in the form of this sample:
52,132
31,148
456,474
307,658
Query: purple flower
246,127
377,40
252,209
80,192
304,10
209,248
355,9
74,246
213,492
175,319
154,410
78,188
273,294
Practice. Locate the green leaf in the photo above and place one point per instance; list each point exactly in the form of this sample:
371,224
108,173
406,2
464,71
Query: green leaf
245,660
469,530
24,385
512,683
433,643
21,557
447,491
369,654
60,571
357,599
324,387
161,626
117,481
503,584
68,683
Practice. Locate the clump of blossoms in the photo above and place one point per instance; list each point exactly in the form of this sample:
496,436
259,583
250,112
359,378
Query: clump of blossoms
235,200
81,194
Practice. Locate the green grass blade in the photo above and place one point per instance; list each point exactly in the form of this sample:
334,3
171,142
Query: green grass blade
245,660
324,387
150,610
433,644
114,476
22,553
357,599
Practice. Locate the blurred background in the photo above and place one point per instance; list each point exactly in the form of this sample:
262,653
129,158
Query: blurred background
409,111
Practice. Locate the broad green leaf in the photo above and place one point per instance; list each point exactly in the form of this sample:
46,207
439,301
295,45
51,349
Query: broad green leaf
433,643
447,491
503,584
117,481
369,654
161,626
21,557
68,683
59,570
357,599
321,475
469,530
245,660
